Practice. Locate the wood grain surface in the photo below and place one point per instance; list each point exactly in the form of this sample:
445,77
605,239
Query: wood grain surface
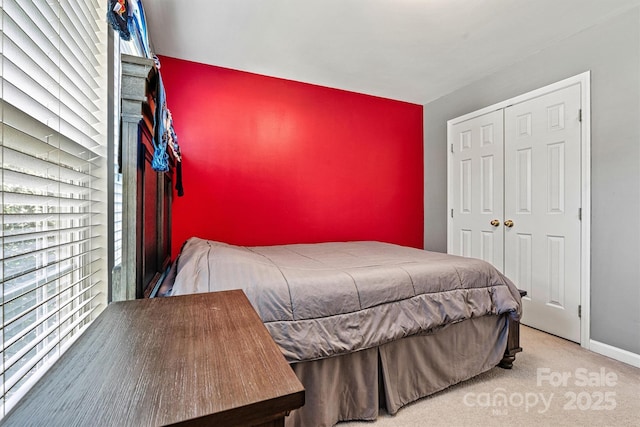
202,359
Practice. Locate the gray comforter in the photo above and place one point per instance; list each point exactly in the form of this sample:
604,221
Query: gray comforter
324,299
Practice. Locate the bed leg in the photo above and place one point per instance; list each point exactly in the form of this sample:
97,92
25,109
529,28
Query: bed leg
513,344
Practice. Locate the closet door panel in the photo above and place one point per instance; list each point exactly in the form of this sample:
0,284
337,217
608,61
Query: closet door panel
542,199
476,176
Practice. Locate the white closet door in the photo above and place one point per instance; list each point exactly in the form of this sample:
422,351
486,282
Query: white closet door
477,184
542,199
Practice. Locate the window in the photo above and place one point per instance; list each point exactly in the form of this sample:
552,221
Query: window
53,176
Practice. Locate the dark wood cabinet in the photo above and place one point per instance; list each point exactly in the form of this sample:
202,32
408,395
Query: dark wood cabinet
202,359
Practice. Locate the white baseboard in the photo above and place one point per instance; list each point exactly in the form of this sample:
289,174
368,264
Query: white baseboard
616,353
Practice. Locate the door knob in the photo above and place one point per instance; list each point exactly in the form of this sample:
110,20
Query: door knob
508,223
495,222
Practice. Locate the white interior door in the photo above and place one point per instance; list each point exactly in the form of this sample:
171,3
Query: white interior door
542,201
476,178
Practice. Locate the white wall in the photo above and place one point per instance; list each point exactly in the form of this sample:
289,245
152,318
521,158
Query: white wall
611,50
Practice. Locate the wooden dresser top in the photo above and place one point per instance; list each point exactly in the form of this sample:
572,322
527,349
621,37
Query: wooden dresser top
203,358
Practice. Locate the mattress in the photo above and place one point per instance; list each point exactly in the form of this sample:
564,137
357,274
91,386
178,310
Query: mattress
326,299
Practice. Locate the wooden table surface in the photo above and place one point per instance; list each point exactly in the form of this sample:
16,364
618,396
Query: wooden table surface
205,358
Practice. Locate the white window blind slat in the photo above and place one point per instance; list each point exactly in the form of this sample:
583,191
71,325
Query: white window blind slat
23,161
117,173
71,24
20,47
53,220
52,180
36,64
117,218
52,149
31,60
42,185
20,237
47,249
40,353
83,11
21,28
62,290
42,84
18,352
54,204
44,137
24,328
28,15
25,282
76,129
20,389
71,65
45,277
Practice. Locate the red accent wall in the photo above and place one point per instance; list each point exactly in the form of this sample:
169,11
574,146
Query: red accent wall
272,161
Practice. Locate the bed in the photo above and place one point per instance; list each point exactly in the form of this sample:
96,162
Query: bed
365,325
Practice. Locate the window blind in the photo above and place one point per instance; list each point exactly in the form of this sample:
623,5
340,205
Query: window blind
53,177
117,218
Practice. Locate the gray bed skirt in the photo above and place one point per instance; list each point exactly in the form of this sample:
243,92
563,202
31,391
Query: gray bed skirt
354,386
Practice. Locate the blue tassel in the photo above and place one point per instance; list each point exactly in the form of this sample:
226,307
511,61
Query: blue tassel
160,160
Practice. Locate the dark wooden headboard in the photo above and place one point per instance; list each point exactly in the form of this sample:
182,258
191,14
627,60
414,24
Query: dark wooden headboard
154,244
146,194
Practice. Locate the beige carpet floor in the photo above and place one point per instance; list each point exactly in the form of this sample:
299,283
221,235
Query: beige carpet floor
554,382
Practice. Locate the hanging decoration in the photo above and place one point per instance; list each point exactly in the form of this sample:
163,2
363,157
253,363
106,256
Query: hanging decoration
128,19
175,149
164,134
138,27
118,17
160,161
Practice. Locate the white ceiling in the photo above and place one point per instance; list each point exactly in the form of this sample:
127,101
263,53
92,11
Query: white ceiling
410,50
